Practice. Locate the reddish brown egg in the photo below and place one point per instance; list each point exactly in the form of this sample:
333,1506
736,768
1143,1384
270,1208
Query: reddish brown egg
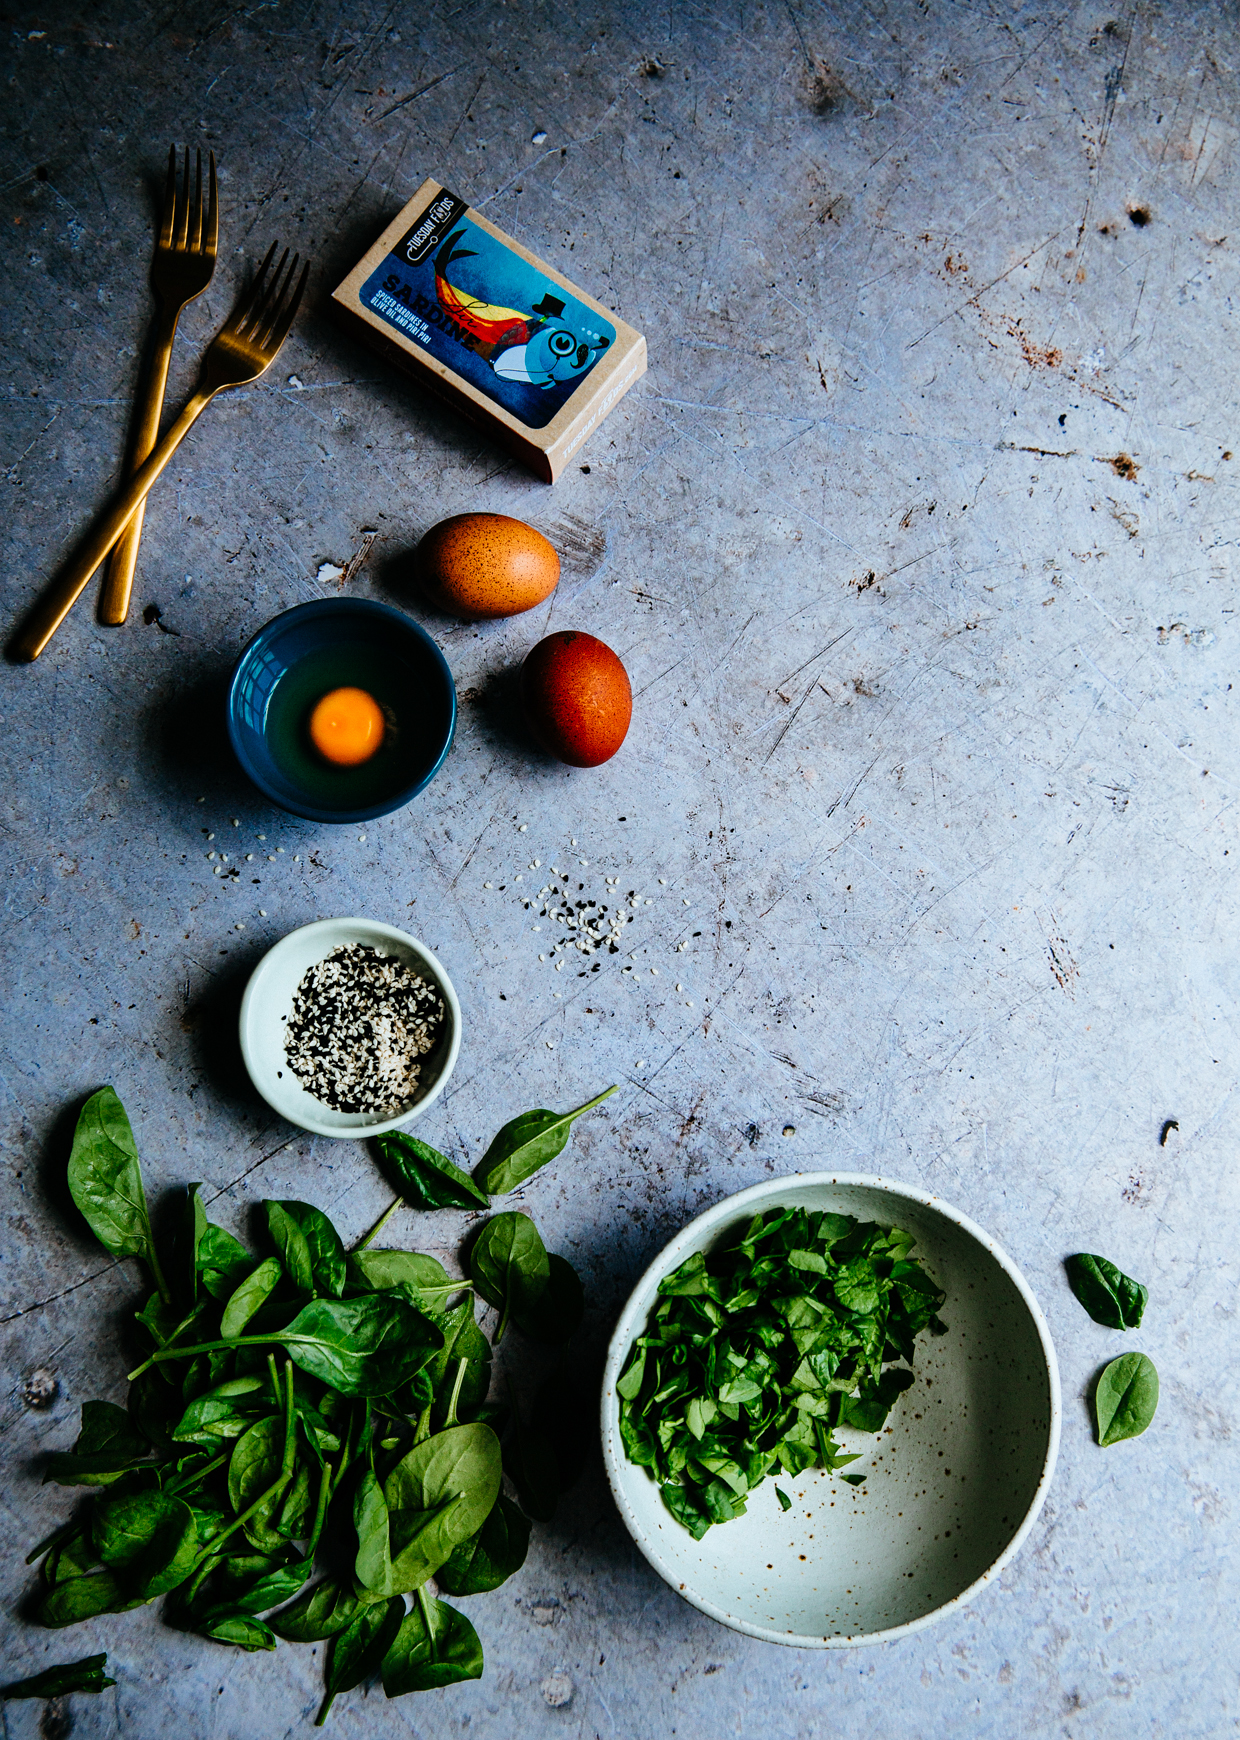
577,698
484,565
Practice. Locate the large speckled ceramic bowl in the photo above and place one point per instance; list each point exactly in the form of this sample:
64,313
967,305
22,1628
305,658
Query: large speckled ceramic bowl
954,1481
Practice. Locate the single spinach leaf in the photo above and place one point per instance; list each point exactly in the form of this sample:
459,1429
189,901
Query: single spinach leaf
155,1407
426,1283
108,1445
437,1496
462,1339
255,1584
87,1675
253,1469
785,1503
508,1266
81,1598
357,1652
425,1177
373,1565
317,1614
249,1296
526,1143
226,1411
553,1313
489,1557
1111,1297
149,1539
435,1646
1126,1398
223,1262
309,1245
240,1629
530,1463
868,1410
362,1347
105,1181
368,1346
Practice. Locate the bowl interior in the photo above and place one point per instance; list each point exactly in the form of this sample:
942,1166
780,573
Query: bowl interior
299,657
269,998
952,1480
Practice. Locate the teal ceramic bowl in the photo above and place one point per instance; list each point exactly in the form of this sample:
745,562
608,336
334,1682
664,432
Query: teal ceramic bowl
332,643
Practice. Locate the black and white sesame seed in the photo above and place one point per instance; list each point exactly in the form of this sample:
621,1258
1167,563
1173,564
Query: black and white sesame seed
359,1024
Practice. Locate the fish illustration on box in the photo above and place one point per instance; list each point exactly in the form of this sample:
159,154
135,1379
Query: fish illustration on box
488,313
538,347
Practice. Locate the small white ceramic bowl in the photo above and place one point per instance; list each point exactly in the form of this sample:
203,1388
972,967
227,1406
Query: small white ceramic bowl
955,1480
269,997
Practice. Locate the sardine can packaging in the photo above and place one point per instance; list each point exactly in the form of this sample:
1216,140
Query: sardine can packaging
477,318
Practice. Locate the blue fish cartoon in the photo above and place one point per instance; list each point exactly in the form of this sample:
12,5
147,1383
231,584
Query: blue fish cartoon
539,349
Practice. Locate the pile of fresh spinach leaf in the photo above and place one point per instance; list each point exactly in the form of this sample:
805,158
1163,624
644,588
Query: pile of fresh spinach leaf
301,1396
759,1348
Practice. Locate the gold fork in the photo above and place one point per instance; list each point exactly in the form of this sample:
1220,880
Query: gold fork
184,263
240,353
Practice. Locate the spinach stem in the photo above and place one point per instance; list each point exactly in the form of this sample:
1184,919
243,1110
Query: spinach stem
206,1560
456,1391
57,1538
320,1509
379,1225
423,1429
187,1481
153,1259
424,1603
323,1709
284,1339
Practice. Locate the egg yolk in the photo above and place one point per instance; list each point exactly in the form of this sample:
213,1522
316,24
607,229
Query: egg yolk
346,727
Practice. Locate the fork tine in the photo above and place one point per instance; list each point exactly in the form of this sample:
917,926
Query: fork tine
257,313
182,217
277,332
170,200
193,237
211,234
242,310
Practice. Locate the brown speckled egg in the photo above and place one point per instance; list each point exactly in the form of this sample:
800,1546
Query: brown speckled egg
483,565
577,698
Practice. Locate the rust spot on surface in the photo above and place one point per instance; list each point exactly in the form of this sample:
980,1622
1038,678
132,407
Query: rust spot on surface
1122,464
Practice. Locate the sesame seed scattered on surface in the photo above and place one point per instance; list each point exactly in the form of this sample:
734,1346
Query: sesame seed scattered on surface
640,1064
262,836
238,927
488,884
271,857
236,821
359,1023
262,912
210,836
663,882
248,856
523,827
572,842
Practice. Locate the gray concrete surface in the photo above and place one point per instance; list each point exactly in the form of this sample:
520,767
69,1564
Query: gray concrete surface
919,541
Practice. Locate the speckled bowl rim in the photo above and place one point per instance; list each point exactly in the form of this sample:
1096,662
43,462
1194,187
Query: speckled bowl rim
329,929
695,1236
330,607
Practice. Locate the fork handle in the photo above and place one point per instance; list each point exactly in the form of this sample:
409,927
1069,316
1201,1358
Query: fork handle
62,595
118,581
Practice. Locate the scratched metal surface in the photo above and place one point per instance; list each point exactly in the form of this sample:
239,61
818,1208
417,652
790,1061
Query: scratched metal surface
919,541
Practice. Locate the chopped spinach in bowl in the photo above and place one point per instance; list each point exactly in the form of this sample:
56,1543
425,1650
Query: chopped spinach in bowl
758,1349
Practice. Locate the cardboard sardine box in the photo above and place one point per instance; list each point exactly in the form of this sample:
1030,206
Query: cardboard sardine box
484,323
